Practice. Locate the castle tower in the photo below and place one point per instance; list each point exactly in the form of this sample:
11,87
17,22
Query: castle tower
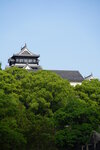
25,59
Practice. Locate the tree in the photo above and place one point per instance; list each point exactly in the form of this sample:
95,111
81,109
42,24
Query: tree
89,90
30,100
43,92
0,66
11,133
75,123
40,110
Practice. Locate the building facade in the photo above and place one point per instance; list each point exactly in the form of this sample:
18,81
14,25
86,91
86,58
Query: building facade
27,60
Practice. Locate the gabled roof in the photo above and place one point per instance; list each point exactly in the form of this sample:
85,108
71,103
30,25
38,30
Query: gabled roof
71,76
27,67
25,52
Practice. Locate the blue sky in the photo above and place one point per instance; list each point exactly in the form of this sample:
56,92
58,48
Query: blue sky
66,33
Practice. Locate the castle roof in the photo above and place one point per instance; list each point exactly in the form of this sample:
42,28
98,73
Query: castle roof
25,52
71,76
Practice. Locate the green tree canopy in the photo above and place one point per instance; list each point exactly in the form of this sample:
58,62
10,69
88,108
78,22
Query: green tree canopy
40,110
76,122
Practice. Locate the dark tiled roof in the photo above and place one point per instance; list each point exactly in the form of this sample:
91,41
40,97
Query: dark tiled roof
71,76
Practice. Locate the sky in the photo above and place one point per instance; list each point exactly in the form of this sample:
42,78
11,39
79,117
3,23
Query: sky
66,33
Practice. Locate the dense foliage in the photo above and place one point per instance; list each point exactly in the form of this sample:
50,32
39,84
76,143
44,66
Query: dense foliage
0,66
40,110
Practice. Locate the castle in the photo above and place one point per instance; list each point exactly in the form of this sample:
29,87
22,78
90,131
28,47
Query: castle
30,61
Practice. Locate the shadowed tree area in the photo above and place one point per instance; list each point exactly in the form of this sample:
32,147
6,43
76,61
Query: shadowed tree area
40,110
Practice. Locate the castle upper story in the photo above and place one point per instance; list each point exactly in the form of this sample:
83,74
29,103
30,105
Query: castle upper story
25,59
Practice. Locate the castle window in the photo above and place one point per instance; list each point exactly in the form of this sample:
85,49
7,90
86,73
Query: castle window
30,60
34,60
26,60
21,60
17,60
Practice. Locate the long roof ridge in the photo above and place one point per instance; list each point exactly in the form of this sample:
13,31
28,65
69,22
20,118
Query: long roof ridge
62,70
